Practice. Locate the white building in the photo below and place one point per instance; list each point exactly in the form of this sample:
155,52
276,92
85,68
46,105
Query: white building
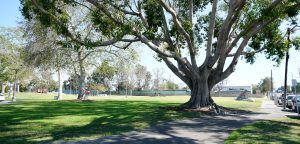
236,89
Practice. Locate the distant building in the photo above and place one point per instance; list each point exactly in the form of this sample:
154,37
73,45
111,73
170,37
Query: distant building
235,90
294,82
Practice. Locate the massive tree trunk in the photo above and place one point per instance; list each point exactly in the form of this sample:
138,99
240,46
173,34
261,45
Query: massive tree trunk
200,95
200,92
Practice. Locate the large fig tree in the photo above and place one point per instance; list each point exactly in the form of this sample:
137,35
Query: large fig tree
178,31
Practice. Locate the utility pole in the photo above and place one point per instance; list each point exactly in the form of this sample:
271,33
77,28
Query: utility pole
286,69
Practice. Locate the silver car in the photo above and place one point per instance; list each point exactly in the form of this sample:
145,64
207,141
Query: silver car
278,99
296,104
289,101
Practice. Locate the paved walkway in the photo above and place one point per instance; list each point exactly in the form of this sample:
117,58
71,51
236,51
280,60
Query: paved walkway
269,111
5,102
207,129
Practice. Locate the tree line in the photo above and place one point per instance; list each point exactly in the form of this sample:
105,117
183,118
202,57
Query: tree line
30,59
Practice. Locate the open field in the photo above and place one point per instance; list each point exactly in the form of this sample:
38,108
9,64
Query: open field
280,131
37,118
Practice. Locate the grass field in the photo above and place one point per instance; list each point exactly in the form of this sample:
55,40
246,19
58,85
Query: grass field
37,118
281,131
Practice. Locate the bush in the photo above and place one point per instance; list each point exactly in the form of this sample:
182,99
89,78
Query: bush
98,87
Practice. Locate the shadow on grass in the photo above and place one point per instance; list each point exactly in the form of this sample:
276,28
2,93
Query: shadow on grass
32,122
265,132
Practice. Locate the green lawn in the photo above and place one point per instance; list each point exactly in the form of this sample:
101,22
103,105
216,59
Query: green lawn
229,102
37,118
281,131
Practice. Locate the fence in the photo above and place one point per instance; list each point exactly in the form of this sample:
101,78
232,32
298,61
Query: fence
135,92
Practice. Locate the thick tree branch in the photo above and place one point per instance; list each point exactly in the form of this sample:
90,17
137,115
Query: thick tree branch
72,37
155,48
231,67
141,37
235,7
248,53
182,31
212,22
166,31
139,7
259,21
251,32
126,12
175,70
239,52
123,47
257,51
102,8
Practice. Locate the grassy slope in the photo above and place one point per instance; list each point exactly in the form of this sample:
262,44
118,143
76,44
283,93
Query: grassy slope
37,118
282,131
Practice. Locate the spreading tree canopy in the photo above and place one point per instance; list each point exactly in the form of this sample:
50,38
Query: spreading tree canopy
193,37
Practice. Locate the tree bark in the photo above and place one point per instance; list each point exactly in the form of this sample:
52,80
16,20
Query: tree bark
14,91
81,77
3,88
18,86
60,84
81,93
10,90
200,94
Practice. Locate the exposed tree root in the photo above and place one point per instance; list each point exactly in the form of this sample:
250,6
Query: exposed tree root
213,109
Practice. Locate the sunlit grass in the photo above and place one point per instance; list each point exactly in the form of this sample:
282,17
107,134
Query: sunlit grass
230,102
37,118
281,131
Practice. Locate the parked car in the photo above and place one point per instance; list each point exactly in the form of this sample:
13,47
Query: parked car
278,99
296,103
289,102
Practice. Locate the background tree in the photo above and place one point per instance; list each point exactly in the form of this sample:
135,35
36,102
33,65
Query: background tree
255,88
179,30
157,78
104,74
148,80
43,51
59,50
169,85
11,58
265,85
143,77
124,65
41,80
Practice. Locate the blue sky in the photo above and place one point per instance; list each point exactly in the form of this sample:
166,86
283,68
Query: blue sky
9,13
245,74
